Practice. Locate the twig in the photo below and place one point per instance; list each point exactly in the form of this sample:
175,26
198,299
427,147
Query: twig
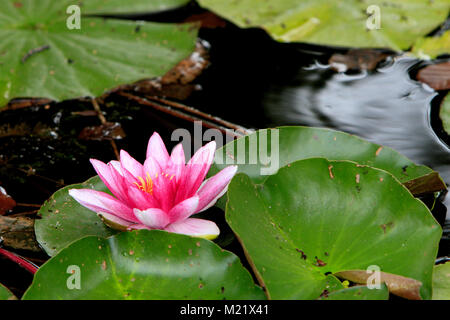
207,116
18,204
24,263
34,51
23,213
182,115
103,121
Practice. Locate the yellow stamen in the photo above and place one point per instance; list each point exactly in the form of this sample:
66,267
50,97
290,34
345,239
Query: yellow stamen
145,185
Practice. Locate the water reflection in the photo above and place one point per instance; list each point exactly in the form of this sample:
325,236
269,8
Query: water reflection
385,107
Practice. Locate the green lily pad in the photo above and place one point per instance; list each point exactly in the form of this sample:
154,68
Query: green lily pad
431,47
441,282
337,23
280,146
64,220
41,57
316,217
358,293
143,265
445,113
5,294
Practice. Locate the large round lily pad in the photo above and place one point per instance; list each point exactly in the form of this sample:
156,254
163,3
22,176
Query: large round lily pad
64,220
143,265
260,154
341,23
317,216
40,56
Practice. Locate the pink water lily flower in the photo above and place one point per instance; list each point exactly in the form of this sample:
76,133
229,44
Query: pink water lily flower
163,193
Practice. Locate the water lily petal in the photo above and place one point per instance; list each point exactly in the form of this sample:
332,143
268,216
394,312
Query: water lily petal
116,165
109,179
130,164
154,218
102,202
152,167
177,162
184,209
140,199
195,171
157,150
215,187
195,227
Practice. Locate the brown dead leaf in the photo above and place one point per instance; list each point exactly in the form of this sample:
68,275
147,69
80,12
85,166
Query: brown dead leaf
6,202
357,59
18,233
437,76
404,287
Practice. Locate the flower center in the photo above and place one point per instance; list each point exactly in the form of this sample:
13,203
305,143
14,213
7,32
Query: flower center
145,185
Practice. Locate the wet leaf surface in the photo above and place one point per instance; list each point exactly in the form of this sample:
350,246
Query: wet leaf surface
145,265
337,221
335,22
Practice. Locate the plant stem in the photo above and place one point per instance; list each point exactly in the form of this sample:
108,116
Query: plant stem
27,265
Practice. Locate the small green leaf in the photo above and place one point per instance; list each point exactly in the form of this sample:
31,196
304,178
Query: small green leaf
350,23
41,57
431,47
445,113
143,265
5,294
64,220
441,282
316,217
359,293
